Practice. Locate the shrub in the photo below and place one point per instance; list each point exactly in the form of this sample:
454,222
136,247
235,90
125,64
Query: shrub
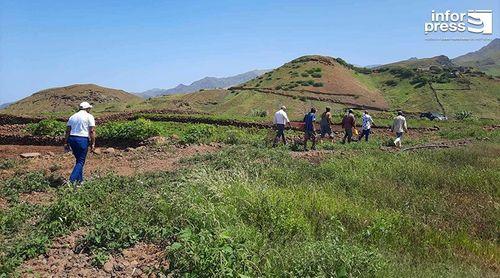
316,75
259,113
362,70
139,129
419,81
462,115
306,82
391,82
402,72
313,70
49,127
318,84
304,74
7,164
197,134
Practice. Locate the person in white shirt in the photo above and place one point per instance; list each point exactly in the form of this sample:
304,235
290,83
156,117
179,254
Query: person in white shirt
80,135
366,126
280,120
399,126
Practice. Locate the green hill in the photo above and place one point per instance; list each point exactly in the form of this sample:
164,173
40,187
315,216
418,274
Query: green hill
437,84
304,82
416,85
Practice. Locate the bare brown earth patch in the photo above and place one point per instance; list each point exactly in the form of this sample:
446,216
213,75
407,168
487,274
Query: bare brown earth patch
63,259
37,198
4,204
125,162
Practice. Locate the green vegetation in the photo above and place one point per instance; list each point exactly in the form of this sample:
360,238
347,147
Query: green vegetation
49,127
7,164
259,113
258,212
139,129
353,67
462,115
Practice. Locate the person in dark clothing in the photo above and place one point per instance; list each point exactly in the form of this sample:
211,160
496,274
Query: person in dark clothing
348,123
326,121
309,132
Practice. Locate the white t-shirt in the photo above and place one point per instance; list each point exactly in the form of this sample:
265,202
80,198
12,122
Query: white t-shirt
281,118
80,123
367,122
399,124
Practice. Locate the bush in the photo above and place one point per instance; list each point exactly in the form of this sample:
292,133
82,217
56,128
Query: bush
306,82
318,84
419,81
316,75
304,74
259,113
48,127
402,72
391,83
139,129
462,115
313,70
197,134
7,164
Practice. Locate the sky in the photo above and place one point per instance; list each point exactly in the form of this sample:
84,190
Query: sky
139,45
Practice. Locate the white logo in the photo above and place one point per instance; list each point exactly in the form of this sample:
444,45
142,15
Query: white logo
474,21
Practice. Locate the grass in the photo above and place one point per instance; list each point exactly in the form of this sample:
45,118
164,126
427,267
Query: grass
258,212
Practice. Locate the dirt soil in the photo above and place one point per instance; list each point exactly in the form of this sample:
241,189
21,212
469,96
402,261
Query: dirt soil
63,259
37,198
125,162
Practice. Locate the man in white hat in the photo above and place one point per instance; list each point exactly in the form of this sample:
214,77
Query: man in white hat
281,121
80,135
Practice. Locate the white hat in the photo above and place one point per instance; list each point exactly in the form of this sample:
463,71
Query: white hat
85,105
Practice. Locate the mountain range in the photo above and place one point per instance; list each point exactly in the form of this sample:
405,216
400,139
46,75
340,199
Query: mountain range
204,84
5,105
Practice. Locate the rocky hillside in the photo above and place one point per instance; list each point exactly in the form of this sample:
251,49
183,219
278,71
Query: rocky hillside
64,100
424,63
486,59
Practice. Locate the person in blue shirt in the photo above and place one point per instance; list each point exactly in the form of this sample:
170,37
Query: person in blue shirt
309,132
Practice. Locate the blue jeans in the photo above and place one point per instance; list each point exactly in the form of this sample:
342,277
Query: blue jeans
79,146
366,133
280,134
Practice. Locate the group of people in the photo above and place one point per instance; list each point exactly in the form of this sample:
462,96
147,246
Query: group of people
80,132
281,120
